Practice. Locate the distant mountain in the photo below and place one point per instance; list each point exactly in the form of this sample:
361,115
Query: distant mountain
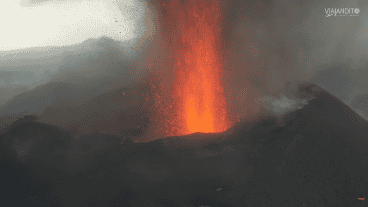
317,157
34,66
10,91
83,71
39,98
40,53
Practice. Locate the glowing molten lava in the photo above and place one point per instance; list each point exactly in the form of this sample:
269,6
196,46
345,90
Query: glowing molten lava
199,95
193,33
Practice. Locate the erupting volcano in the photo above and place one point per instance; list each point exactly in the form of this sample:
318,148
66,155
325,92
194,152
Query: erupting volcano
192,29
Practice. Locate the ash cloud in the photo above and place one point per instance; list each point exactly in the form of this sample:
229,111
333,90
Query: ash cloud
282,105
275,43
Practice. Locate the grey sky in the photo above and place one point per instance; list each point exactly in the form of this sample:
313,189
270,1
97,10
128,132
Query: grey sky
26,23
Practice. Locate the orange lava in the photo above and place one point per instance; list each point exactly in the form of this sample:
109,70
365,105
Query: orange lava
194,35
199,93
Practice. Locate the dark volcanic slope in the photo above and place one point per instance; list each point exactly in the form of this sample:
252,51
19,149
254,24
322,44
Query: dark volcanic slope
317,158
124,110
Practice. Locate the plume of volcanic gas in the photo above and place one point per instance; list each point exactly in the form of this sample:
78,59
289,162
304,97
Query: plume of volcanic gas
194,100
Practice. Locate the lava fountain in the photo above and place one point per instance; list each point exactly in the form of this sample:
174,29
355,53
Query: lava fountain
192,31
